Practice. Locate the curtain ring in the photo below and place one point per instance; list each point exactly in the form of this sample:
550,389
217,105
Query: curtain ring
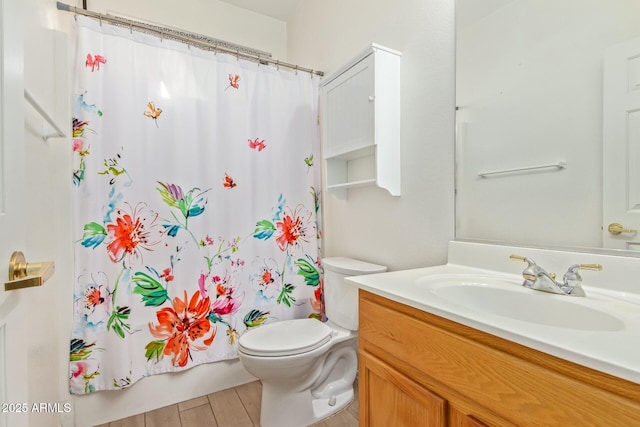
101,20
237,54
296,68
311,74
130,27
215,49
278,65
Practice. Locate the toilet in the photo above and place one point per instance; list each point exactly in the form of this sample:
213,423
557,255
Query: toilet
307,367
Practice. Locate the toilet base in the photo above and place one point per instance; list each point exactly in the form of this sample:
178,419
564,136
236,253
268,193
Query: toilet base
282,408
304,401
323,408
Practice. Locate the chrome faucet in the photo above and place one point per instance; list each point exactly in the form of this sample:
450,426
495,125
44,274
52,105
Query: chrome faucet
537,278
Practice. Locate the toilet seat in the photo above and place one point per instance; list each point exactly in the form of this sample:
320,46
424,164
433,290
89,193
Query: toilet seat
285,338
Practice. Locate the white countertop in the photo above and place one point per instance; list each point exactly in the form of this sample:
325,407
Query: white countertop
615,351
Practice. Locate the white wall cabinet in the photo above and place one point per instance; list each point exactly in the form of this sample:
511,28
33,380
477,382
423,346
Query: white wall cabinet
360,106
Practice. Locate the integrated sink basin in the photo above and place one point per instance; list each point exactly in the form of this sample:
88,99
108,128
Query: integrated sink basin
504,297
481,288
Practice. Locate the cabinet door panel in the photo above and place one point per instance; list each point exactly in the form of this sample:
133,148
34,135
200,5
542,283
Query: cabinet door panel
459,419
349,110
392,399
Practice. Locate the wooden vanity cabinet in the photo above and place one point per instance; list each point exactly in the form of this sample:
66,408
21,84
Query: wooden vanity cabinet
419,369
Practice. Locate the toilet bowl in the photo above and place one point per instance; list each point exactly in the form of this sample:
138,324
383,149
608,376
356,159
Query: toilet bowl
307,367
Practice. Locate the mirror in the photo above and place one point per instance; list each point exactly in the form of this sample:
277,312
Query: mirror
529,124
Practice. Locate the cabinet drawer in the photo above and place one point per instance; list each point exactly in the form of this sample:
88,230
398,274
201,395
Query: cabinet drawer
515,389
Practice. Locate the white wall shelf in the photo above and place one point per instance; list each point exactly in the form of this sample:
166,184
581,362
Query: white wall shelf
361,122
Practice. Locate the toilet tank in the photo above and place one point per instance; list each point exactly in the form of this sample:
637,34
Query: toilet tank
341,299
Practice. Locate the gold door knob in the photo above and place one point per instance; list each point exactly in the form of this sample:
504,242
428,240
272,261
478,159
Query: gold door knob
615,228
23,274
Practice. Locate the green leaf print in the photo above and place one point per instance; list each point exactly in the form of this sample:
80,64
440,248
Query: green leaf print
308,271
116,321
154,350
285,295
152,291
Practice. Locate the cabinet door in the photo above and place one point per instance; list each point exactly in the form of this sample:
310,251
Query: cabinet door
459,419
349,110
389,398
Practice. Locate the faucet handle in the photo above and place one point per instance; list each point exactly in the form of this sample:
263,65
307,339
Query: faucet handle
529,261
573,270
532,269
572,277
594,267
531,272
522,258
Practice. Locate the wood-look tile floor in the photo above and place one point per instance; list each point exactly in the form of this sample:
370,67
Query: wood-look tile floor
235,407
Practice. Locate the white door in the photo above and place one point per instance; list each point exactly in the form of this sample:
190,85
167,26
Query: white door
621,152
13,344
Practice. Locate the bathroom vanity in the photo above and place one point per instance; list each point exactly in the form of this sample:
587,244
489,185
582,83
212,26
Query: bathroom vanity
428,357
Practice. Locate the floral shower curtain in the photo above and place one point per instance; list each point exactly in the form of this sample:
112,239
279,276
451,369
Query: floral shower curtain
196,204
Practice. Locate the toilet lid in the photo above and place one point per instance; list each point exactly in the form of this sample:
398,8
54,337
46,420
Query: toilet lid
287,337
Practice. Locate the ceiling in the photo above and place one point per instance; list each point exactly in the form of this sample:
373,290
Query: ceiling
278,9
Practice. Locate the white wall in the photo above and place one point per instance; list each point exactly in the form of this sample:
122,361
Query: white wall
530,93
411,230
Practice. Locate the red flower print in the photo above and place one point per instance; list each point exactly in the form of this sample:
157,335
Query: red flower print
228,182
78,145
221,290
166,275
93,297
226,302
95,61
130,233
81,368
316,300
266,277
182,326
233,81
257,144
225,305
293,229
202,286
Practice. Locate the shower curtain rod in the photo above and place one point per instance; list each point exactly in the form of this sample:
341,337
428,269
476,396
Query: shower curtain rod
193,39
